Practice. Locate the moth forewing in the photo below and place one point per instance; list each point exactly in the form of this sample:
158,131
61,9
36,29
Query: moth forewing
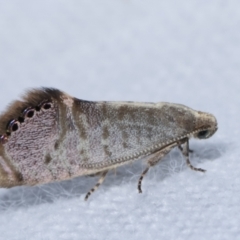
51,136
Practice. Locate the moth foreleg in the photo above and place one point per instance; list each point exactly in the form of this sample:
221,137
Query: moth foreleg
185,151
180,148
153,160
100,181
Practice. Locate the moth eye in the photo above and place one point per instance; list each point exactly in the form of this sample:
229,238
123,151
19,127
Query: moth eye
13,126
28,112
203,134
47,105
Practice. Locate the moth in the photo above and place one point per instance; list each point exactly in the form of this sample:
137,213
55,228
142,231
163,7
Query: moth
50,136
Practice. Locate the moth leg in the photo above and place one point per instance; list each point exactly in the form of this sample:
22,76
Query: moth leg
185,151
100,181
141,178
189,150
154,159
95,174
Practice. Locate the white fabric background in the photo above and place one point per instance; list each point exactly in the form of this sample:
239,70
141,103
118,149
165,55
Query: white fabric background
178,51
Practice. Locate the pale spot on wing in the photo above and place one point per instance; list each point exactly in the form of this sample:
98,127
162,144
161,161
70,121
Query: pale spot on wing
68,100
7,169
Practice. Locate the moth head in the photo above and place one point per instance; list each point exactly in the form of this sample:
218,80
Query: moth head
206,125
